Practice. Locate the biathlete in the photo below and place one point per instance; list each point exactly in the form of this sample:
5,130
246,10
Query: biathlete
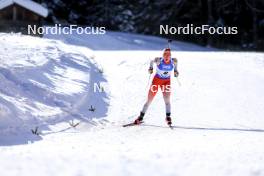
162,80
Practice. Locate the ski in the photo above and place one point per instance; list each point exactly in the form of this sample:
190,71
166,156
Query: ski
132,124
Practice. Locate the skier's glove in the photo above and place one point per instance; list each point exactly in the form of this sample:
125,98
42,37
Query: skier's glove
150,70
176,73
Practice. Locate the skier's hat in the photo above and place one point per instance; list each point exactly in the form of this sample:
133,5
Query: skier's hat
166,49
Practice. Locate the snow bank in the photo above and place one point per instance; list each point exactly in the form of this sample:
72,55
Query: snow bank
43,81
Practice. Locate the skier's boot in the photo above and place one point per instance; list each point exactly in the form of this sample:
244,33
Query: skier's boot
168,119
139,120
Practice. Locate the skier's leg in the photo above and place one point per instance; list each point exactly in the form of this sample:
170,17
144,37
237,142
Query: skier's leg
151,94
166,92
166,97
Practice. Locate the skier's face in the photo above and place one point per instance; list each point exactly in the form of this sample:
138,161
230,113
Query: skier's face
166,56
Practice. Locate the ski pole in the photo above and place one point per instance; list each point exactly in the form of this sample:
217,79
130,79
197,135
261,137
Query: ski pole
169,41
148,81
178,81
147,87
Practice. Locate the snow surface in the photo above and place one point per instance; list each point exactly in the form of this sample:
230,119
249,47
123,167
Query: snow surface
28,4
217,109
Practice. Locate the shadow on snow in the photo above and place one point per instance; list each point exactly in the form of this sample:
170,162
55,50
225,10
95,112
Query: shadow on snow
34,85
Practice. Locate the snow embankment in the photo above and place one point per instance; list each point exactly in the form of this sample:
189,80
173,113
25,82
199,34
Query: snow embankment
44,82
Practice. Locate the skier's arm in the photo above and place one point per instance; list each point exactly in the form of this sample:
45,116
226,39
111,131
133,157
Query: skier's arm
157,61
175,63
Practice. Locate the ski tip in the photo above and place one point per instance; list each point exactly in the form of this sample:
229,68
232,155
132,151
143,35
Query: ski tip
131,124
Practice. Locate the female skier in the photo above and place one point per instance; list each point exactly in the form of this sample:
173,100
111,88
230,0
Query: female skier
165,66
